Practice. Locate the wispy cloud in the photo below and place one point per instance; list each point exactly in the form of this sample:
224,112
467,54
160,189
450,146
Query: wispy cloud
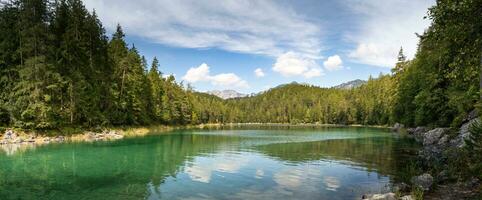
384,27
250,26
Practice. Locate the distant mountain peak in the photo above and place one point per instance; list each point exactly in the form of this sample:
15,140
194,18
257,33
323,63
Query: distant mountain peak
226,94
350,84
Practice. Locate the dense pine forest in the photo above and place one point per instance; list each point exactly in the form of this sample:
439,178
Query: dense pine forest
59,68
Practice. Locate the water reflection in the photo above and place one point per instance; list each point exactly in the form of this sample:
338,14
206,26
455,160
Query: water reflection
266,164
332,183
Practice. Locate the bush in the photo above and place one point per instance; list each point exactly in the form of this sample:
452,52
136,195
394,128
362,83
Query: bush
4,116
474,146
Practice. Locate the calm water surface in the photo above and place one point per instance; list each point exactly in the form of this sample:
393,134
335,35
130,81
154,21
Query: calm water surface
280,163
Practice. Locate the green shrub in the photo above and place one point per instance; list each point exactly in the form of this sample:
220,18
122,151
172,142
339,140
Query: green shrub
474,146
417,193
4,116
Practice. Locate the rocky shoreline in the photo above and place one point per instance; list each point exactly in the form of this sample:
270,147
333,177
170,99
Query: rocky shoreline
13,141
438,147
12,137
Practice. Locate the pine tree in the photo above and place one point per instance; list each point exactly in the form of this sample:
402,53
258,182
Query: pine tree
156,83
38,83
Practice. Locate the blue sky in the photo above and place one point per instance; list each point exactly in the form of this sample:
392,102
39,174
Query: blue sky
252,45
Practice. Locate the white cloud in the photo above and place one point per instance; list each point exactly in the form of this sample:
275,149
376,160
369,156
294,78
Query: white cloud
385,27
333,63
293,64
196,74
228,80
314,72
224,80
251,26
258,72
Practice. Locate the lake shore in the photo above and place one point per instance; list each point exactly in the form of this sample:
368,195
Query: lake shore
21,136
288,124
70,134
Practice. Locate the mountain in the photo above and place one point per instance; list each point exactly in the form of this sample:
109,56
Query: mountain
350,84
226,94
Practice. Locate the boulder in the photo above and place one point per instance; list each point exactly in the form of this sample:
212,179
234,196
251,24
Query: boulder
433,136
443,175
397,127
387,196
410,131
463,134
407,197
17,140
400,187
30,139
423,181
59,139
472,115
417,131
10,135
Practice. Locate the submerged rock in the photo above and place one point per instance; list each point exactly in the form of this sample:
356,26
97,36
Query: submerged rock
423,181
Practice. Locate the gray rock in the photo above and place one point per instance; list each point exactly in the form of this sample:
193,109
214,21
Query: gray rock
443,141
433,136
407,197
387,196
443,175
423,181
400,187
397,127
463,134
31,139
419,132
10,135
59,139
17,140
472,115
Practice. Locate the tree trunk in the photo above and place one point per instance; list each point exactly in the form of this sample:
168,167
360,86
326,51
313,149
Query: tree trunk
480,79
122,83
72,104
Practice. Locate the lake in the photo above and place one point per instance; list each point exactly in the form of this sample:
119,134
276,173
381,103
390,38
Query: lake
243,163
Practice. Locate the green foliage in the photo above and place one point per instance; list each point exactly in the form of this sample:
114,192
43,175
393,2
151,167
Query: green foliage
474,149
298,103
417,193
441,83
4,116
58,68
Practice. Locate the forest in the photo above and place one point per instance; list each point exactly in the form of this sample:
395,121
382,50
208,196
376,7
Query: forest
58,68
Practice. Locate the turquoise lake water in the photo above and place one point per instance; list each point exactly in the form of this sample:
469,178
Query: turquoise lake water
248,163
